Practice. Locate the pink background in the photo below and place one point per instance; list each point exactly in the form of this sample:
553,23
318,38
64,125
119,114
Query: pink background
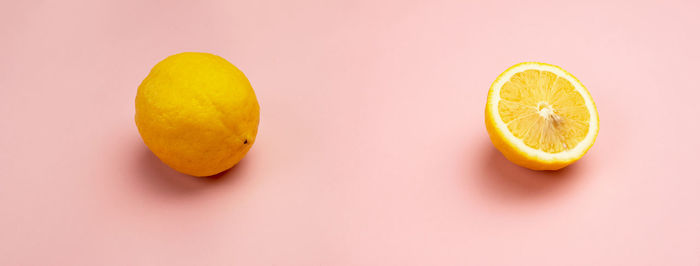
372,148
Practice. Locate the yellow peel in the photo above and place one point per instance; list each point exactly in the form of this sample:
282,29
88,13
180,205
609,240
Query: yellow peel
198,113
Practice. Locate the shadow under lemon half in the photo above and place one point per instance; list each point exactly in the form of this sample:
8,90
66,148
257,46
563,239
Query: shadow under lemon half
197,113
540,116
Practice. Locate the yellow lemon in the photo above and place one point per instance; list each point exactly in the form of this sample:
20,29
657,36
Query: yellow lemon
540,116
198,113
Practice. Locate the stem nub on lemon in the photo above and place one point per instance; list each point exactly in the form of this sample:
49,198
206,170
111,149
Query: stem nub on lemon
198,113
540,116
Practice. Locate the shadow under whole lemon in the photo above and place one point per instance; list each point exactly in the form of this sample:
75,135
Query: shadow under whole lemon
198,113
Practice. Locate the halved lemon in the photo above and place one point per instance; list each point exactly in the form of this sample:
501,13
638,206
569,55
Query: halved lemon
540,116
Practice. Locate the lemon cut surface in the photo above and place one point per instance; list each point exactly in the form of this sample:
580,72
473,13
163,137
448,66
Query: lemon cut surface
540,116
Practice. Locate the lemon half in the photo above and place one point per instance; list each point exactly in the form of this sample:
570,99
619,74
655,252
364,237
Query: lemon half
540,116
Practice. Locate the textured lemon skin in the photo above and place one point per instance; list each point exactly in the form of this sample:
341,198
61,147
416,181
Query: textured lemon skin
197,113
507,146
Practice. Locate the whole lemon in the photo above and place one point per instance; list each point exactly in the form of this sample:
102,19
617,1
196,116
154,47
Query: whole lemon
198,113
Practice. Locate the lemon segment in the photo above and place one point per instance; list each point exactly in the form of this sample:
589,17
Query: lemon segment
540,116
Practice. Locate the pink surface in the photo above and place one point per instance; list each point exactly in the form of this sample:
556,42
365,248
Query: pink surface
372,148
